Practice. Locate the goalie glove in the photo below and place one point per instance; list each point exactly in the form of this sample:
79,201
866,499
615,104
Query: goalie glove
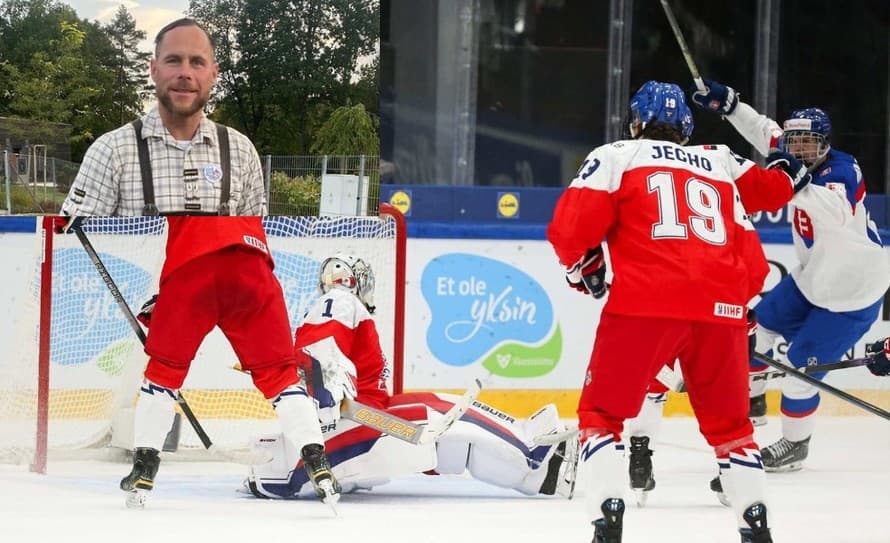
795,169
588,275
879,353
148,307
334,378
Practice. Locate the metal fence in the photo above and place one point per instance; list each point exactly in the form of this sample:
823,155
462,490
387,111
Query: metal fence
35,184
294,183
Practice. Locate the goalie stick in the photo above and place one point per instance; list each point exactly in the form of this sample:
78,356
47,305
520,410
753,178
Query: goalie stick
397,427
792,372
240,457
699,83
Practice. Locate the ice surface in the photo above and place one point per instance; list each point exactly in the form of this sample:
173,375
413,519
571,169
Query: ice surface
842,495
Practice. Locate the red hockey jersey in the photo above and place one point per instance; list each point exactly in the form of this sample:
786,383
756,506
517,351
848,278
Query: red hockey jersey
191,237
679,241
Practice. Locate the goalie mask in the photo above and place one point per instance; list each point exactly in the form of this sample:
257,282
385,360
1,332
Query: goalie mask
351,273
807,135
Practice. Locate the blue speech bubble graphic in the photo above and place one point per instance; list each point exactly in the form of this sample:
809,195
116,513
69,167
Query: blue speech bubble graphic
478,304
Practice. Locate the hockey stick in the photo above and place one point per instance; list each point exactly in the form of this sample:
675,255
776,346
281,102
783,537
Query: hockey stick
829,366
76,226
399,428
699,83
862,404
811,369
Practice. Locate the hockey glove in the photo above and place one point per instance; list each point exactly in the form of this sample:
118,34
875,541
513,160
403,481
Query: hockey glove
66,224
794,168
752,332
716,97
148,307
589,274
879,352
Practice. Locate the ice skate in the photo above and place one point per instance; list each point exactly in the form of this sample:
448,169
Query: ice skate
785,455
758,532
640,469
608,528
717,486
757,410
319,470
140,481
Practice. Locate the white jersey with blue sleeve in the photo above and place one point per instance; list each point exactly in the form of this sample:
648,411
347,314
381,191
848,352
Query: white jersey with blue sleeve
843,265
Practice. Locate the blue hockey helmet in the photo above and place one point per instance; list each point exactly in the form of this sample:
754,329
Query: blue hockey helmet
660,103
807,135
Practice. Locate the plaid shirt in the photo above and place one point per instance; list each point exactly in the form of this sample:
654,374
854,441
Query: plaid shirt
186,176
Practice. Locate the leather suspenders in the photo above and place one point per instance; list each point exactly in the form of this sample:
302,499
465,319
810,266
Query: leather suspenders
148,188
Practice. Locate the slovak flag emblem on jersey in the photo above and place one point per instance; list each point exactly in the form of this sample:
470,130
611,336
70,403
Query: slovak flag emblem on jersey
803,225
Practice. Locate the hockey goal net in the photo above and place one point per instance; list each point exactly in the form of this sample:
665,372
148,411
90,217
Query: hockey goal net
71,382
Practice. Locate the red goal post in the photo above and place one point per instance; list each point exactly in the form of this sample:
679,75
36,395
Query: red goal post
69,387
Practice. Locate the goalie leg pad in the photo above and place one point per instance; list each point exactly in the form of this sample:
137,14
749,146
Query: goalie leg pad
360,459
498,448
155,411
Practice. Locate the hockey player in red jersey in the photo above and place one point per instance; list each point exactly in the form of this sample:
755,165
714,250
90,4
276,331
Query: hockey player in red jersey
686,261
341,351
218,272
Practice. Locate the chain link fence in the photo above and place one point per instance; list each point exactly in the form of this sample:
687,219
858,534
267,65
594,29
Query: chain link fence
294,184
34,184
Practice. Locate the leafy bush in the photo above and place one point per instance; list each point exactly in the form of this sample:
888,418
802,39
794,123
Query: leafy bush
24,202
294,195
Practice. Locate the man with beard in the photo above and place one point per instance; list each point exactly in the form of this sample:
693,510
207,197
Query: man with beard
174,159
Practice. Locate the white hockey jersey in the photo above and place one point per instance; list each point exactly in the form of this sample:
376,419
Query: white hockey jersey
843,265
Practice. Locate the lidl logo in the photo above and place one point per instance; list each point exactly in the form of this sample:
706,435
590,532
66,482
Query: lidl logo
401,200
489,312
508,205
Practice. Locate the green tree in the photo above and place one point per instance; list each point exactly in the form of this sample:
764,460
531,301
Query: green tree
55,84
286,65
350,130
55,67
129,64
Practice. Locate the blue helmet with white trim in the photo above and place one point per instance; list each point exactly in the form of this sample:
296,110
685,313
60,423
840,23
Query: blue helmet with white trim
660,103
807,135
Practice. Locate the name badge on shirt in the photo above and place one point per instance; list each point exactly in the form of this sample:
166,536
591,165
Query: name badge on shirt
212,173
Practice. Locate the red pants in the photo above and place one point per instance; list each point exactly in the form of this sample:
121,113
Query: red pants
628,353
235,289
